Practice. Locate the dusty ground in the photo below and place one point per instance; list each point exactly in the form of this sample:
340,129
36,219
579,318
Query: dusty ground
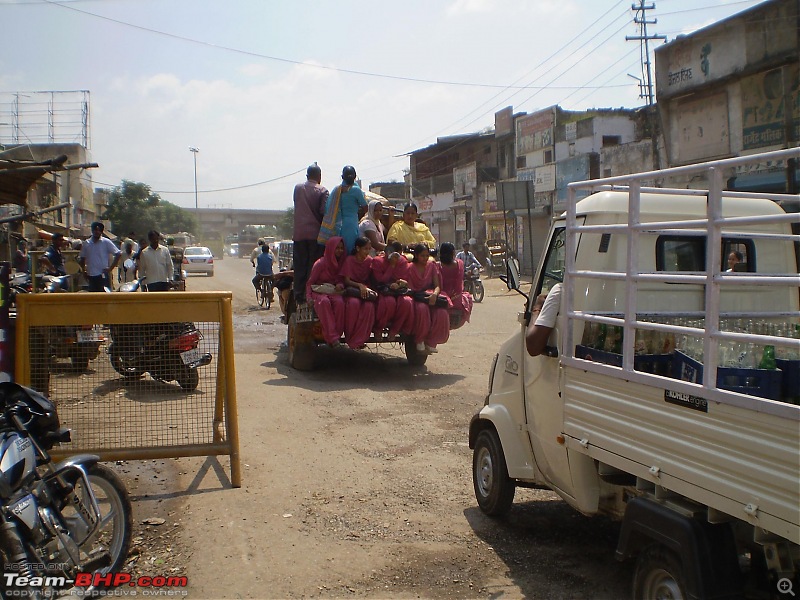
357,481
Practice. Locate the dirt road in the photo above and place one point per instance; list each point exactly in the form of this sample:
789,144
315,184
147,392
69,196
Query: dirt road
357,479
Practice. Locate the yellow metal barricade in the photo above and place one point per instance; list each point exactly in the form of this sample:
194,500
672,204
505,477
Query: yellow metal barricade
68,347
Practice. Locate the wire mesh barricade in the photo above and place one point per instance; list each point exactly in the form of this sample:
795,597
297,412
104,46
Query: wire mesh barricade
134,375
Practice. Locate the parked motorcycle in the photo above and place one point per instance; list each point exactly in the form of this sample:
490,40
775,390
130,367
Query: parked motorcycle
168,351
78,343
55,520
473,283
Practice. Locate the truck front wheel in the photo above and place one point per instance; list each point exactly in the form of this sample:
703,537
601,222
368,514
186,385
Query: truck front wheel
659,575
494,489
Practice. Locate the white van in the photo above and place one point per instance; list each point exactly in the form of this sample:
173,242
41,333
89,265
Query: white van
667,396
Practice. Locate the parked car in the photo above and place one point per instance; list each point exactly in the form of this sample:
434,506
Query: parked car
198,259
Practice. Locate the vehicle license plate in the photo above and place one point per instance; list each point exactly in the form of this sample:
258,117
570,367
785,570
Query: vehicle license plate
87,335
191,356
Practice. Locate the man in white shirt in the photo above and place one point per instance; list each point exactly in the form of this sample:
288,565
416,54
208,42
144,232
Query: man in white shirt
94,258
543,320
155,264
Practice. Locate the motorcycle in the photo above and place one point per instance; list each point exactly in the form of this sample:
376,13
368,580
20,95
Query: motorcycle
473,283
78,343
168,351
56,520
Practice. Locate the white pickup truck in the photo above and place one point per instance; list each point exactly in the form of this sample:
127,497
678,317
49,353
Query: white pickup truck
668,394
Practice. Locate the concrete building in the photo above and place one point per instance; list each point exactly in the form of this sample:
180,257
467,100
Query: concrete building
733,88
447,181
70,185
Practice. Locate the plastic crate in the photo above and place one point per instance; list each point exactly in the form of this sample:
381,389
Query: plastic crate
764,383
657,364
790,381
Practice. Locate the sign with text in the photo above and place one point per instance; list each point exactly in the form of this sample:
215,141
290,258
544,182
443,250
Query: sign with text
464,180
766,99
535,132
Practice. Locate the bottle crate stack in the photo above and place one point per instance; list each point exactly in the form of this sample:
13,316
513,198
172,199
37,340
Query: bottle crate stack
768,371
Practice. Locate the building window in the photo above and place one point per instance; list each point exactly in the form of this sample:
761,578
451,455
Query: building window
611,140
521,162
548,156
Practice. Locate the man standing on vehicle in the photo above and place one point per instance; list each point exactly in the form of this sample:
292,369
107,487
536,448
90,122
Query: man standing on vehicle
309,209
155,264
95,253
264,269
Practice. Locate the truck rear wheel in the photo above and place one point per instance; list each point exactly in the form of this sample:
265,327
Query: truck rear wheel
659,575
414,356
302,348
494,489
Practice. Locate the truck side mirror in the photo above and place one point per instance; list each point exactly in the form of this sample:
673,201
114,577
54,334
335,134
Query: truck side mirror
512,274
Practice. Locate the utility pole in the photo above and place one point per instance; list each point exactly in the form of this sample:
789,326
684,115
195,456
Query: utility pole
194,152
641,20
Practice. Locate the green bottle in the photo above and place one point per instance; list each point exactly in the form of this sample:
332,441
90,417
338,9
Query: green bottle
768,358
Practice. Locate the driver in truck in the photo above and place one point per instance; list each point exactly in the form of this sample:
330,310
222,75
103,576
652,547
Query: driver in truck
543,320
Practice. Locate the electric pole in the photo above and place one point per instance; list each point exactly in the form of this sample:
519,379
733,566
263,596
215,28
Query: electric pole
646,85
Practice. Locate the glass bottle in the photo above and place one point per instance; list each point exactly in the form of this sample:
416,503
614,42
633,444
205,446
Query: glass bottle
768,358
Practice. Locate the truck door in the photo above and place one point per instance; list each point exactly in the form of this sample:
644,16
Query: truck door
542,380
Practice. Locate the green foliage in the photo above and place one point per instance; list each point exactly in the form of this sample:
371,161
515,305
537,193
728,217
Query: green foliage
286,224
133,206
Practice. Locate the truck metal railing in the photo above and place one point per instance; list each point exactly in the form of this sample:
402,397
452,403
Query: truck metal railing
715,226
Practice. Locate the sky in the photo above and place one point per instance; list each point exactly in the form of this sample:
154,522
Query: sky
263,88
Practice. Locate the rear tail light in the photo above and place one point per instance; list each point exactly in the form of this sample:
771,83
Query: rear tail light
211,260
185,261
185,342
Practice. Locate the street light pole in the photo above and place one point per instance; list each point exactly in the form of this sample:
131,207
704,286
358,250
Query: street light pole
194,152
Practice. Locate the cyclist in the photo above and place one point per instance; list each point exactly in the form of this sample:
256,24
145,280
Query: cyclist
263,265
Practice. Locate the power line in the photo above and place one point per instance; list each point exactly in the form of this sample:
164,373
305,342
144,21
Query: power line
227,189
281,59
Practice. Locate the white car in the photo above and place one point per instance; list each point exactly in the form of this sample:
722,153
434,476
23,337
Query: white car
198,259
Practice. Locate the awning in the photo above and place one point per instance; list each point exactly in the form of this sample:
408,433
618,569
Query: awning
17,177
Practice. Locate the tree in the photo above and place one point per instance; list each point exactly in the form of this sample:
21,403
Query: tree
133,206
286,224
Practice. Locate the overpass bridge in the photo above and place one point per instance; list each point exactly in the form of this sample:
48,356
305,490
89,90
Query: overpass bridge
227,221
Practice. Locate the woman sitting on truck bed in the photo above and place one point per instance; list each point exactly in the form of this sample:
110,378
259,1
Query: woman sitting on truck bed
453,281
329,306
395,309
408,231
359,311
431,324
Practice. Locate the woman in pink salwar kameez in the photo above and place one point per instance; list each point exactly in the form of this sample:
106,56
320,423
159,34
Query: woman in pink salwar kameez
359,313
431,324
393,311
329,307
452,270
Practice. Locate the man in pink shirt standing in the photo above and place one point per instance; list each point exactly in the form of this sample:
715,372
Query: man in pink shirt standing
309,209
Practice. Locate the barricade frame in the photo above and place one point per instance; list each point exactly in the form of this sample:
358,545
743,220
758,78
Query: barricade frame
136,308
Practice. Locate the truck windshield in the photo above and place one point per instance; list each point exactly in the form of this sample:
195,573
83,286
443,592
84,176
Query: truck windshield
553,271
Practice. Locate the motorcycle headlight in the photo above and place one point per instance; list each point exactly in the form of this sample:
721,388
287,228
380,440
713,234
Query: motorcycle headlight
491,378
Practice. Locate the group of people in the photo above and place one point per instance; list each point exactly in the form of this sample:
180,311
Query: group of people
359,295
358,275
99,256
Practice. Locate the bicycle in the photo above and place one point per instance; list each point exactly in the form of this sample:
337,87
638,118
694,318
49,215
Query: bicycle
264,291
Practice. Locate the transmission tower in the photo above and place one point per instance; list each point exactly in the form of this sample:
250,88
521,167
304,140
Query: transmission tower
646,84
